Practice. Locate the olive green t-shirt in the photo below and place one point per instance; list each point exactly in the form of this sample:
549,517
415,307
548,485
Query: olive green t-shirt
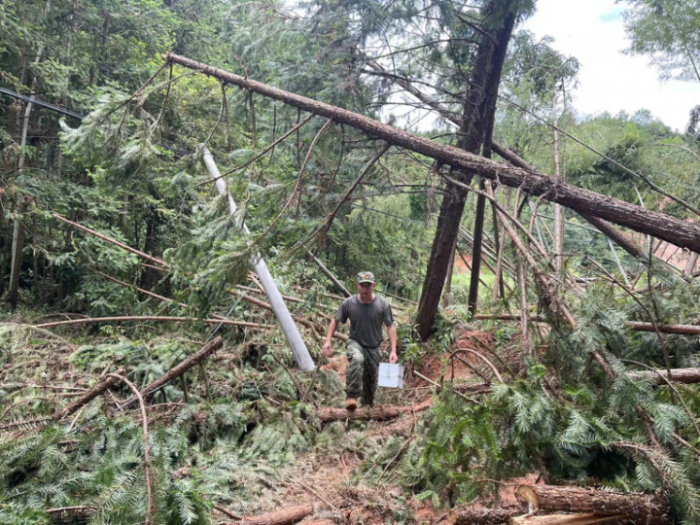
366,319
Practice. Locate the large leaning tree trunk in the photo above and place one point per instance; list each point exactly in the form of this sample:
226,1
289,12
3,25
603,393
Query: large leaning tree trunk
475,131
603,226
649,222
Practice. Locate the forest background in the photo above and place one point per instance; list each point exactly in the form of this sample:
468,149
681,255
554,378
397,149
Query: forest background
124,158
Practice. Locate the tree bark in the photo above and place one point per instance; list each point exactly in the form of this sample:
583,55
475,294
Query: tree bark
328,415
508,155
278,517
99,389
641,509
35,259
563,519
480,516
447,230
650,222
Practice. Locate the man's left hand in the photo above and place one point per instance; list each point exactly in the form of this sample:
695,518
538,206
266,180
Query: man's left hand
393,358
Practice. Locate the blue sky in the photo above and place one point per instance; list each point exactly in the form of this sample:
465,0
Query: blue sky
593,32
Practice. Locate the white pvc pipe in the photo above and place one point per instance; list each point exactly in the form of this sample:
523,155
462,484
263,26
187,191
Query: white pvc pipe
289,327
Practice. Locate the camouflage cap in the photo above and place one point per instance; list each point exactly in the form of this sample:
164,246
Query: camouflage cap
365,277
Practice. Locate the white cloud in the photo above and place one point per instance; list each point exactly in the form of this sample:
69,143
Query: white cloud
593,32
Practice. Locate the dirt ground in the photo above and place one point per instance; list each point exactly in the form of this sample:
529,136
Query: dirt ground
330,482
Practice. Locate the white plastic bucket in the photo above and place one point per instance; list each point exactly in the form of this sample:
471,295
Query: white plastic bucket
390,375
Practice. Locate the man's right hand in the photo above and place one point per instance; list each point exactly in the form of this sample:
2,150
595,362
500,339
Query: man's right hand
327,350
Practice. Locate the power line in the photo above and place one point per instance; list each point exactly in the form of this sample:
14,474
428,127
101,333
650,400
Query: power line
73,114
42,104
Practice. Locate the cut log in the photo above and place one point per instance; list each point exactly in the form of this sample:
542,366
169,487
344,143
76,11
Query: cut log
689,376
563,519
651,222
278,517
642,509
97,390
328,415
179,369
480,516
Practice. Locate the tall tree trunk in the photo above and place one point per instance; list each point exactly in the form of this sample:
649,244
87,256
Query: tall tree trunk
35,259
690,265
475,132
605,227
5,254
476,253
17,248
149,275
448,283
558,209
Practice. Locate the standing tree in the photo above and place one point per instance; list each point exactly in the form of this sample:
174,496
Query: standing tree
479,107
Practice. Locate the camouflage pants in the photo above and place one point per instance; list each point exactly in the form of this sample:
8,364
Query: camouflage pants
363,371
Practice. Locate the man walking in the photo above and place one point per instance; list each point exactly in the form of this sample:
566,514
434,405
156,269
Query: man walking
367,313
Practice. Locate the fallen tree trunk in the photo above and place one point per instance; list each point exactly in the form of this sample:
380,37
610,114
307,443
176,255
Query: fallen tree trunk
604,227
480,516
651,222
328,274
506,317
642,509
328,414
681,329
563,519
97,390
278,517
179,369
689,376
89,320
113,241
